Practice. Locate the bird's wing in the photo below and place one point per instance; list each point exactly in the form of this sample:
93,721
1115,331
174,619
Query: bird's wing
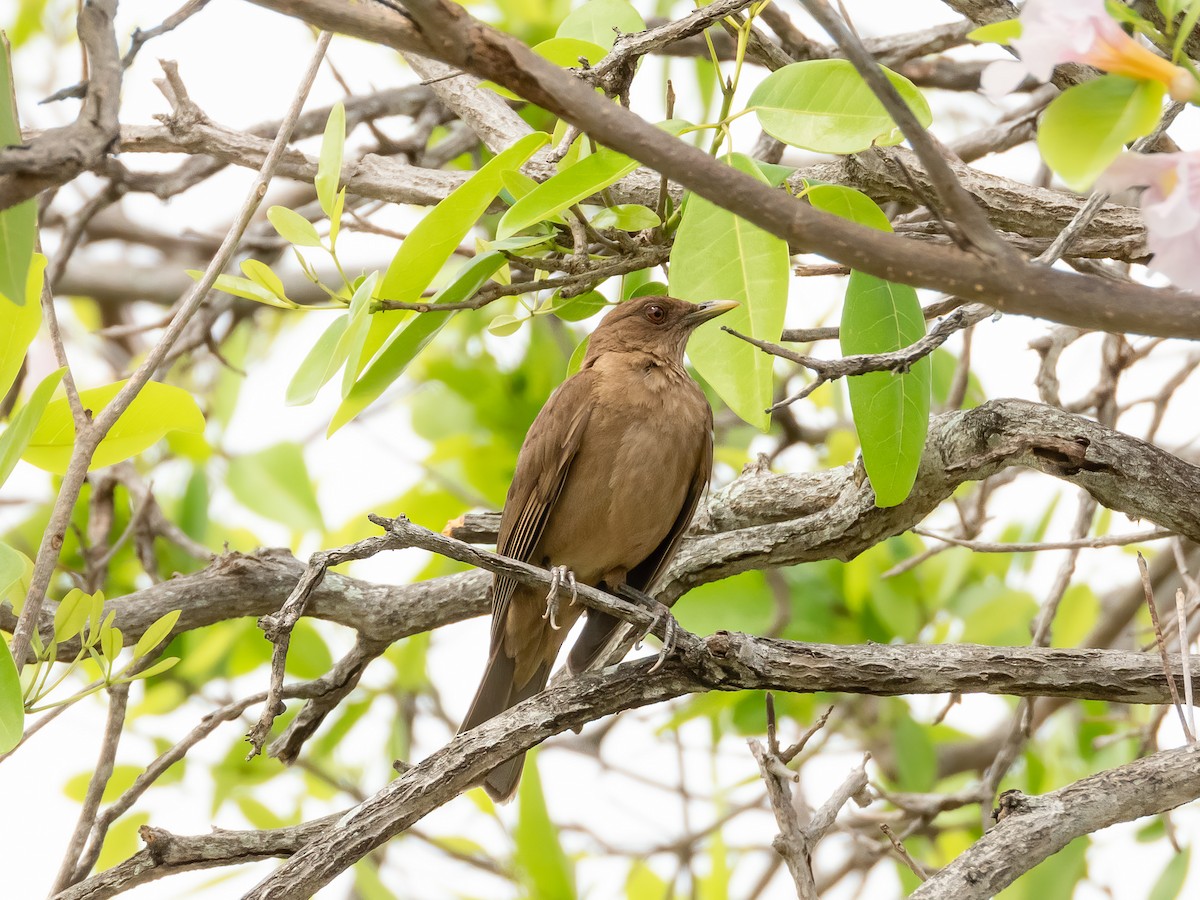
647,572
542,467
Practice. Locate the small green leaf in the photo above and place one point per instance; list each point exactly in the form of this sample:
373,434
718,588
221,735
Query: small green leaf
20,430
848,204
12,567
394,358
717,256
891,410
824,105
275,483
156,410
111,643
576,309
329,165
542,867
261,274
71,615
577,356
1003,33
916,758
154,635
562,191
598,21
293,227
158,668
19,321
244,288
504,325
12,703
562,51
319,365
626,217
649,289
1088,125
18,224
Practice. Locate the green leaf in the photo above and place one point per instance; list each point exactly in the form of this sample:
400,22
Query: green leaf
111,642
319,365
718,256
244,288
1055,876
430,243
542,867
12,703
293,227
18,224
329,165
578,182
275,483
156,410
504,325
394,358
121,841
626,217
352,343
71,615
12,567
1003,33
154,635
262,275
19,322
577,355
849,204
891,410
157,669
562,51
576,309
916,758
17,435
1170,881
598,21
824,105
1088,125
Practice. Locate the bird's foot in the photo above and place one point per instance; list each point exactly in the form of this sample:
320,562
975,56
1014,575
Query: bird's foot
559,575
662,614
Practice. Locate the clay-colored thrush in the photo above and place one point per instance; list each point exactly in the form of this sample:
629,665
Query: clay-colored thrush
607,481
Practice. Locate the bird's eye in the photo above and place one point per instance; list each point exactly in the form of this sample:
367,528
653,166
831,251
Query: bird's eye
656,314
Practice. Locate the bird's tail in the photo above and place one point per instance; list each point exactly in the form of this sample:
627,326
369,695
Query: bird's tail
592,642
498,692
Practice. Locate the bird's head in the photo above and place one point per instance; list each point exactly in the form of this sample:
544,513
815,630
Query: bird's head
659,326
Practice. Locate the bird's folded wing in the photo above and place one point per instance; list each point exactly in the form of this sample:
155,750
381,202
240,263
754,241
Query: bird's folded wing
542,467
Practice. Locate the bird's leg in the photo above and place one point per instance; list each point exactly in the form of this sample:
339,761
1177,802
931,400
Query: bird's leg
559,575
660,613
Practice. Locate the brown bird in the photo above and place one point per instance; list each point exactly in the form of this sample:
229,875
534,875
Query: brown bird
607,481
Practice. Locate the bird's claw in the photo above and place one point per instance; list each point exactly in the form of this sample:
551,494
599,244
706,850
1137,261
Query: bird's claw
662,614
559,575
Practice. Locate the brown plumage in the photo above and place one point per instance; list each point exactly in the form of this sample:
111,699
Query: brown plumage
607,481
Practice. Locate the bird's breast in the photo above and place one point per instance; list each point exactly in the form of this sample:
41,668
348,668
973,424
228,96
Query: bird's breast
628,483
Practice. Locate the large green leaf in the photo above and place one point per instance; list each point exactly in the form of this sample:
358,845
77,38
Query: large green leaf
16,436
598,21
156,410
275,484
541,864
319,365
824,105
19,323
578,182
404,347
1086,126
18,224
329,166
12,704
719,256
891,410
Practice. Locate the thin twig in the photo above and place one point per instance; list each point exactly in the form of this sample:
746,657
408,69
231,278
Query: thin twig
1148,589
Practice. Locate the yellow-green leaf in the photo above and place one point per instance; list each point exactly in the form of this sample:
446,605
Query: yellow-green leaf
19,323
154,635
156,410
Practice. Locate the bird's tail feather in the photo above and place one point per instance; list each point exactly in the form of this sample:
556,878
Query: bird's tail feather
592,642
497,692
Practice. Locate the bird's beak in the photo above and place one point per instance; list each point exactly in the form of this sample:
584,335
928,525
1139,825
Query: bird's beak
710,310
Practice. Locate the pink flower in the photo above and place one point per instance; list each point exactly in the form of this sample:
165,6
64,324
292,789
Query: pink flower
1170,209
1080,31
